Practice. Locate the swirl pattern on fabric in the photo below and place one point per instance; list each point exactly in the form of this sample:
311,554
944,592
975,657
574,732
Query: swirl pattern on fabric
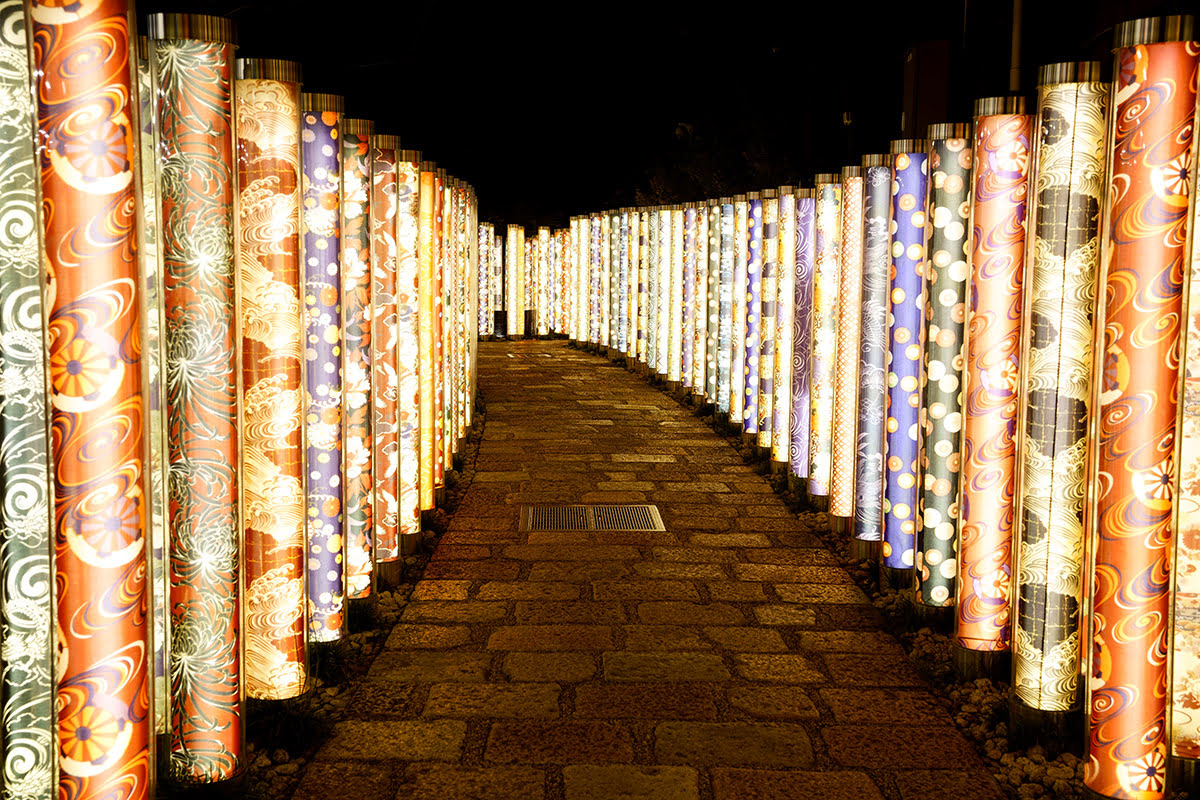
1056,382
826,261
88,146
1001,161
873,352
802,318
1145,263
27,717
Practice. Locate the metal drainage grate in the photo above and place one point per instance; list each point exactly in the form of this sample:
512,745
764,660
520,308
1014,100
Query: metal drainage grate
591,518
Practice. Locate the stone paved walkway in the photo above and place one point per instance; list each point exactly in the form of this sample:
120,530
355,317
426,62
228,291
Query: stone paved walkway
727,658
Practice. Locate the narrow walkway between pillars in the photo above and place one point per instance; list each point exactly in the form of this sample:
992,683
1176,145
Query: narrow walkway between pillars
728,657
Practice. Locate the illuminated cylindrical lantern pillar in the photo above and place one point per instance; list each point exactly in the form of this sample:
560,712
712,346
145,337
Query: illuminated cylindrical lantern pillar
785,299
663,301
619,278
737,344
320,158
439,333
872,349
88,147
545,282
619,269
633,246
194,154
154,395
426,288
599,297
1055,393
712,298
514,274
941,379
1145,262
408,340
752,301
652,301
848,343
643,268
991,372
268,128
725,269
572,278
675,298
767,310
826,262
906,333
802,318
27,683
700,304
385,430
1185,700
498,296
688,312
607,298
582,280
357,472
485,311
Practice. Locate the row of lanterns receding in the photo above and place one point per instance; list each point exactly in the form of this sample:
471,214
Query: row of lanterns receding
237,347
976,352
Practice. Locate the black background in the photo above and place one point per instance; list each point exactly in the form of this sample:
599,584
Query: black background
557,110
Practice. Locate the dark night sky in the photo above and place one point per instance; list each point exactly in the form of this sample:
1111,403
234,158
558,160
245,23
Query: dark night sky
554,111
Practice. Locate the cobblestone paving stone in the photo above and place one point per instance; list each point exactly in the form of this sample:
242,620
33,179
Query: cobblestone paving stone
727,658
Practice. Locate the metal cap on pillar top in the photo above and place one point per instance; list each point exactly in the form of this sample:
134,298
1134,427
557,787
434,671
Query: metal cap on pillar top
1154,30
898,146
268,69
319,101
876,160
358,127
949,130
1069,72
826,177
201,27
1003,104
385,141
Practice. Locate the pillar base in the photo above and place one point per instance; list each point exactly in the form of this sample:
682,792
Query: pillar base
797,485
387,574
778,467
818,501
974,664
1051,729
750,440
439,495
1184,774
410,543
940,618
899,579
863,550
840,525
673,386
